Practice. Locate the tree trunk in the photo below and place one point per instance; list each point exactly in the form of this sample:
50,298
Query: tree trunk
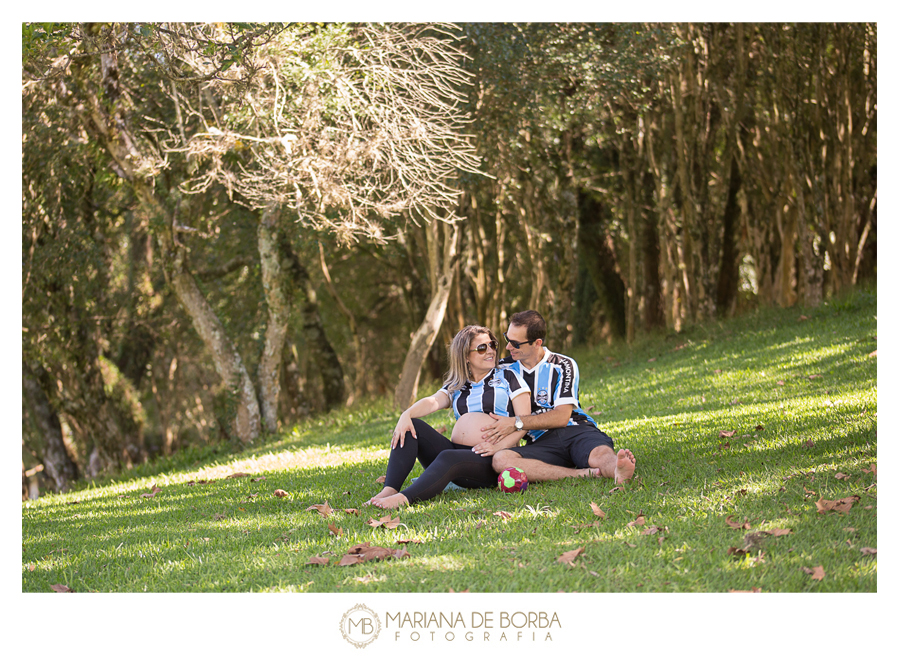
278,301
726,292
58,464
236,381
688,210
600,261
654,315
359,379
318,347
442,274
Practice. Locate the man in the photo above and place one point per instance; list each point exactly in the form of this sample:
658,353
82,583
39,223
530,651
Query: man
563,440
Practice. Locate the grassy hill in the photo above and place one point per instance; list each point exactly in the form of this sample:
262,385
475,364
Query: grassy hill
756,455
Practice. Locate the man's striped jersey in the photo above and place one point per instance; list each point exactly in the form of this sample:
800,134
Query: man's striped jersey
493,394
553,381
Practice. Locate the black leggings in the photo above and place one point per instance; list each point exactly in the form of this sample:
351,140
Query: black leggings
444,462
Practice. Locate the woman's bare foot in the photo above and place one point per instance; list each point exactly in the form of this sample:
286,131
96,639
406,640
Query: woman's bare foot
391,502
625,465
384,493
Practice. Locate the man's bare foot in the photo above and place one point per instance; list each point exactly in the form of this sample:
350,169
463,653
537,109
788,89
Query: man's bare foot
391,502
625,465
384,493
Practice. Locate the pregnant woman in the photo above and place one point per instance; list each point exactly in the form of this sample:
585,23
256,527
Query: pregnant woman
474,387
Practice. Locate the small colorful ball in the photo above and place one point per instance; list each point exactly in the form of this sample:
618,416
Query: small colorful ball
512,480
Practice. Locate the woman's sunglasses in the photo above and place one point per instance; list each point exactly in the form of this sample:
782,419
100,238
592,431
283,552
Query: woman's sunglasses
515,343
481,349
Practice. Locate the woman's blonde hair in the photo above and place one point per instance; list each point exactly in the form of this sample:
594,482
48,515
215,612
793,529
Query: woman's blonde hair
458,352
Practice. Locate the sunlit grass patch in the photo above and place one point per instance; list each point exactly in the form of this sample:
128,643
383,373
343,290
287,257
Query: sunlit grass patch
739,429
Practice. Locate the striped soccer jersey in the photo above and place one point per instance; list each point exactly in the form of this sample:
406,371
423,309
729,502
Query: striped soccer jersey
493,394
553,381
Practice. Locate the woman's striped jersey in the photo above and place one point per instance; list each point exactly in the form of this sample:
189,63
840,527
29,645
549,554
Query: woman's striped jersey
493,394
552,382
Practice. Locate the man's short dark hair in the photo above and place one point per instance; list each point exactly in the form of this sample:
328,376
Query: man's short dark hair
533,323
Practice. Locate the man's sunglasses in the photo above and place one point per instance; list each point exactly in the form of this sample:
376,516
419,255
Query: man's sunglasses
515,343
481,349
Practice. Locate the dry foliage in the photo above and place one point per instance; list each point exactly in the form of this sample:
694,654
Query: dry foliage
348,126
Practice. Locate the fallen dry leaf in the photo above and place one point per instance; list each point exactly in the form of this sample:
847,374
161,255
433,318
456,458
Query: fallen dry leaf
259,479
349,560
316,559
384,521
335,530
809,444
614,489
815,376
569,556
780,383
61,589
368,552
760,428
352,510
739,525
597,511
324,509
779,532
802,318
755,590
381,479
148,495
736,552
726,435
843,505
639,521
238,475
409,541
841,476
503,514
651,530
868,551
279,493
816,573
875,353
400,554
871,470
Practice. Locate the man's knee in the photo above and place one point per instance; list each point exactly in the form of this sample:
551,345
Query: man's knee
599,455
504,459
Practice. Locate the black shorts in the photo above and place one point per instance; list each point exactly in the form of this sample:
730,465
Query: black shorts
569,446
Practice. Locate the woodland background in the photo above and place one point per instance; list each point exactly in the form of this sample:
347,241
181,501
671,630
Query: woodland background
230,227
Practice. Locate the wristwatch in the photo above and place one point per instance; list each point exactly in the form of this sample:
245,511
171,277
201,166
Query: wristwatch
519,424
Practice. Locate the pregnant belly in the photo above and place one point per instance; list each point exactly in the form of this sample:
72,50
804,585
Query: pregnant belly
467,430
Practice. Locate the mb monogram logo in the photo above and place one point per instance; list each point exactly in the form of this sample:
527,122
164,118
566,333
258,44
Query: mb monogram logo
360,626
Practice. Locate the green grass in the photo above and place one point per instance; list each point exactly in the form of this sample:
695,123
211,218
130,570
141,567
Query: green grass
667,398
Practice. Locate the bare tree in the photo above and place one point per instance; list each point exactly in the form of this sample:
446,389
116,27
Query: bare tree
353,127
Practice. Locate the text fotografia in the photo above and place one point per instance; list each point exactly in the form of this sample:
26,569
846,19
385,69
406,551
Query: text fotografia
479,626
